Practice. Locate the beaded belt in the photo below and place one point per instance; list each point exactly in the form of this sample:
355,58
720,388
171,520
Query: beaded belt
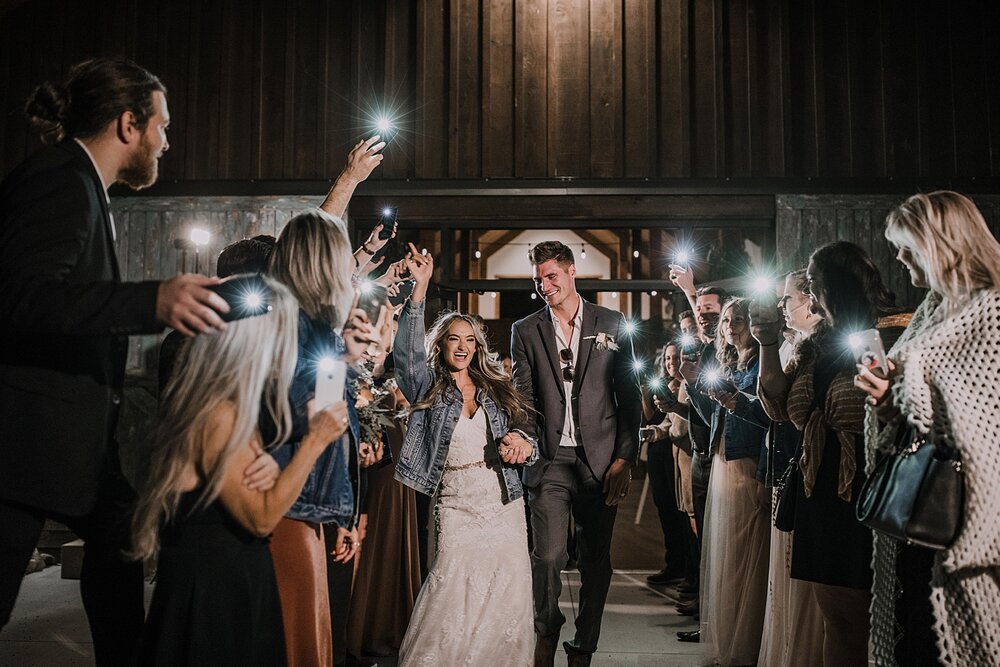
467,466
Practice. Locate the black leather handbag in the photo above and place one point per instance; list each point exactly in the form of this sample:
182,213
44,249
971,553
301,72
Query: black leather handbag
916,495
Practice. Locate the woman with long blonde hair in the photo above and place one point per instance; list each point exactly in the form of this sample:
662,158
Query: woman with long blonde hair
944,371
312,258
736,538
460,448
216,598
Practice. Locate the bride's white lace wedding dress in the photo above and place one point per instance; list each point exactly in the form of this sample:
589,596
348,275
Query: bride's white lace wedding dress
475,607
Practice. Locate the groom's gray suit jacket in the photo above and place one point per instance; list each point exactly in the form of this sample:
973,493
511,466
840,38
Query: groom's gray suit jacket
605,396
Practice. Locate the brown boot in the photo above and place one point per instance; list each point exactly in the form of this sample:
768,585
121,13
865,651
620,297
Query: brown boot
545,650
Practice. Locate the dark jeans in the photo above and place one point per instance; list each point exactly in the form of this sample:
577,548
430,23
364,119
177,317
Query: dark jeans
111,585
339,580
701,469
660,468
568,487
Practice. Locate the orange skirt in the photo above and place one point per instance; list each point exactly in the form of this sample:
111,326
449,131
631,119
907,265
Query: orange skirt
299,555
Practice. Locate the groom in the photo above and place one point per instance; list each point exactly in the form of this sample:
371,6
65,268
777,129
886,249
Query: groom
573,363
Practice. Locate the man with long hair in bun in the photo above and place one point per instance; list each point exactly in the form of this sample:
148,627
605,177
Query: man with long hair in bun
64,334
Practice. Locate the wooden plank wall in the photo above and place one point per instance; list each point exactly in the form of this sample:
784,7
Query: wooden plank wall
806,222
264,89
148,226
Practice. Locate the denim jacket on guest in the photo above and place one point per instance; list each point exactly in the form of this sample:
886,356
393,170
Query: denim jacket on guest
330,494
428,432
745,427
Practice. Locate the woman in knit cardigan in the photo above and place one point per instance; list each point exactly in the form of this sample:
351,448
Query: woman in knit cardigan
944,383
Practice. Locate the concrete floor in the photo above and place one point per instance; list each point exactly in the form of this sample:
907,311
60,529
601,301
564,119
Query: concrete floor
49,627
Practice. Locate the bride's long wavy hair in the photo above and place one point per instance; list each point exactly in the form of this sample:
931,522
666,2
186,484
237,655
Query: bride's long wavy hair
251,359
485,368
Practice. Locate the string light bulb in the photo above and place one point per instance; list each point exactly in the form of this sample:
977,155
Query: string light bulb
583,251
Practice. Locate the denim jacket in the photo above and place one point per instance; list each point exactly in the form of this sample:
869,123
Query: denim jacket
330,494
428,433
746,426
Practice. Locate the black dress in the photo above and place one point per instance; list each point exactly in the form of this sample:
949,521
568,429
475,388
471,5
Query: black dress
216,598
830,546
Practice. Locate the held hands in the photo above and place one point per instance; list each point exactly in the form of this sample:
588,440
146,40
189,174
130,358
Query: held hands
514,449
616,482
647,434
183,303
326,425
369,455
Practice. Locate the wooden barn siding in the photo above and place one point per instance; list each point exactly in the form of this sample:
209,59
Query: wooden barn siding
266,89
805,222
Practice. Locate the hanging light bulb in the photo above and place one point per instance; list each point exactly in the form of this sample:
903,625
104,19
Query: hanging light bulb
478,254
635,253
583,251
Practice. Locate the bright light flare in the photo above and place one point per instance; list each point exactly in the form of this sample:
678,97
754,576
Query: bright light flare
630,327
200,236
712,376
854,340
762,285
687,340
638,365
326,364
387,211
253,300
367,287
683,256
656,383
383,124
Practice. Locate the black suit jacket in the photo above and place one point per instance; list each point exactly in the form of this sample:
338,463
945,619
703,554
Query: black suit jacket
65,317
605,397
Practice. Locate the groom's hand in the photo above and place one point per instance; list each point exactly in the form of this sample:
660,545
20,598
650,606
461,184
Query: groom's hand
514,449
616,481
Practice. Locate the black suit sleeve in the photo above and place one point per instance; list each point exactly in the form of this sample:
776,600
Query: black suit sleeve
523,382
627,398
49,264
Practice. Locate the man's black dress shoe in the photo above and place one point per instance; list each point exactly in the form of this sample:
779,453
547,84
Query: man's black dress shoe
691,636
664,577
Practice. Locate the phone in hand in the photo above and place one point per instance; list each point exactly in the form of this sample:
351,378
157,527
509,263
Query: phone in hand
331,376
405,290
869,351
388,222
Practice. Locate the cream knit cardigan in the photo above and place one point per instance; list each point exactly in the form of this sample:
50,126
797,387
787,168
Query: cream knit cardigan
950,384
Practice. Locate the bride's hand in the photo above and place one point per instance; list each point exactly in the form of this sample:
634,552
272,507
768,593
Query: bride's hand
514,449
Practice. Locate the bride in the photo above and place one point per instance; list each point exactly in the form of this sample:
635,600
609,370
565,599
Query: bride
476,603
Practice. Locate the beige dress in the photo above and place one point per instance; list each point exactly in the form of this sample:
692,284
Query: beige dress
476,606
734,563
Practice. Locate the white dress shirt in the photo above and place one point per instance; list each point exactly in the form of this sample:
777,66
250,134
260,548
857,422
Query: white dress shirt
569,426
111,219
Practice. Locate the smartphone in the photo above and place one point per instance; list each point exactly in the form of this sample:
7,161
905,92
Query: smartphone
331,374
405,290
371,300
247,295
388,222
869,351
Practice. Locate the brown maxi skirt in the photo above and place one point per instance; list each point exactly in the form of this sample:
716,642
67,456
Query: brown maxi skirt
299,555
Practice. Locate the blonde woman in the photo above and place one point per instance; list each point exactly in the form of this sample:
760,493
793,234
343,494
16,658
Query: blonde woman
944,383
312,257
476,605
216,601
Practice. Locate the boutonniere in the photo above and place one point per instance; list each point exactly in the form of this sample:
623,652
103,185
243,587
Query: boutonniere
603,341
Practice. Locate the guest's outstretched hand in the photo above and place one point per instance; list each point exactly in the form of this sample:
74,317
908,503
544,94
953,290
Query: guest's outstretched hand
420,266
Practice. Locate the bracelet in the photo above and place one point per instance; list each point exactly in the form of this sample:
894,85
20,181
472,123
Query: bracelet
364,249
771,344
